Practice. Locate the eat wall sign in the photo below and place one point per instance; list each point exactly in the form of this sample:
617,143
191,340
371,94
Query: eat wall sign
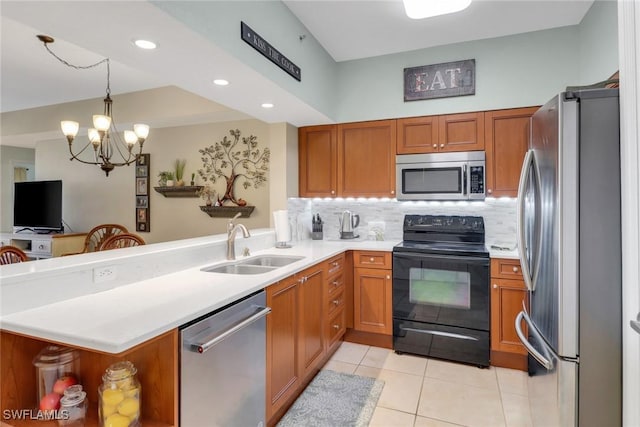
440,80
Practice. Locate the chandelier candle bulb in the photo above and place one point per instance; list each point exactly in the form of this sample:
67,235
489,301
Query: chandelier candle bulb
130,138
69,129
141,130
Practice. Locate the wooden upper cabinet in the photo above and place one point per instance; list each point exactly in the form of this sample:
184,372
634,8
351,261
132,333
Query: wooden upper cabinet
446,133
366,159
317,150
506,142
417,135
461,132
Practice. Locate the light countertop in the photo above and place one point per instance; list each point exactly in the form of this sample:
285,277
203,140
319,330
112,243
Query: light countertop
117,319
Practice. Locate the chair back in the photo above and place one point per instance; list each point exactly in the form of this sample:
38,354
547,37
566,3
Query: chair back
12,255
99,234
122,240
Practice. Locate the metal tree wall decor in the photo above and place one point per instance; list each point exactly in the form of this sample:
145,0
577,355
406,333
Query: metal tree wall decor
235,159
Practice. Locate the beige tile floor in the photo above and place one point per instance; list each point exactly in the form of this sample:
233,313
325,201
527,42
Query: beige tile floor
422,392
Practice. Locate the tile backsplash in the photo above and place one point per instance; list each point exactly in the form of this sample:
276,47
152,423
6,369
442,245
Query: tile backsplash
499,215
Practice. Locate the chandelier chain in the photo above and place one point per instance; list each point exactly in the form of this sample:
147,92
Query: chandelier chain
85,67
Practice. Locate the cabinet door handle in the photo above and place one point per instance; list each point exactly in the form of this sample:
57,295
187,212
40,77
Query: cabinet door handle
333,192
388,277
441,145
435,145
489,191
495,286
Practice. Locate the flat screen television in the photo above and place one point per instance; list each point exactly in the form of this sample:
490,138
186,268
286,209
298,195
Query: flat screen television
37,206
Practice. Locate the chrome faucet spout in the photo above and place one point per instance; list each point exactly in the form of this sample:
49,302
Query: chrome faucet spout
232,230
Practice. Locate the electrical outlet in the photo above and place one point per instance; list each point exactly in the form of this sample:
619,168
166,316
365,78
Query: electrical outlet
104,274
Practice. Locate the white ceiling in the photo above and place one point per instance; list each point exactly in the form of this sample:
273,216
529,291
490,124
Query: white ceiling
87,31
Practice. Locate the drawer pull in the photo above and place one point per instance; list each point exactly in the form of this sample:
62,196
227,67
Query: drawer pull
515,269
372,259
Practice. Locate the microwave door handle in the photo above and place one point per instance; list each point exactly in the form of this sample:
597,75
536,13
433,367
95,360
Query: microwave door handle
520,235
464,180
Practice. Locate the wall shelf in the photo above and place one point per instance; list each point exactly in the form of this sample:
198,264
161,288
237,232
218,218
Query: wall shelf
227,211
183,191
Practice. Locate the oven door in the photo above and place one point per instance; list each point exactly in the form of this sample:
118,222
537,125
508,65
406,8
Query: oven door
441,289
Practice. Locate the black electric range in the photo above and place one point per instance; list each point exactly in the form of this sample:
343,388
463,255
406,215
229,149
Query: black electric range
441,289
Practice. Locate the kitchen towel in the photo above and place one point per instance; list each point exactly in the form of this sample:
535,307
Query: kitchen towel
281,224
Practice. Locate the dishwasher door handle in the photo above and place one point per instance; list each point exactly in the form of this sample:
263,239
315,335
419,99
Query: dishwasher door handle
202,347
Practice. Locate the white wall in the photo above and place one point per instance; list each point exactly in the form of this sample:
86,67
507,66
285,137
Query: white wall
10,156
91,198
598,37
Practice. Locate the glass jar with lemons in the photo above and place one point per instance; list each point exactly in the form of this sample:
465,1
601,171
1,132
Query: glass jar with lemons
119,396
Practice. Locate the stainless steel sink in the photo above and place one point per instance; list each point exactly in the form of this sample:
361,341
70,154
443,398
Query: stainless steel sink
271,260
256,265
239,269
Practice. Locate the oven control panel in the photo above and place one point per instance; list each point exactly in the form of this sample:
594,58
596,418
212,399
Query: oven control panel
444,223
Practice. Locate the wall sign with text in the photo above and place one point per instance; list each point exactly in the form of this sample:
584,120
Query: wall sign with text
143,222
270,52
440,80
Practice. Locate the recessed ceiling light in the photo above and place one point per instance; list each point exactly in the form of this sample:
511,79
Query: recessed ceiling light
267,105
419,9
144,44
220,82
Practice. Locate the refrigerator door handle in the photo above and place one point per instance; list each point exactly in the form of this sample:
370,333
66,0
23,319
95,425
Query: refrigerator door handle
635,324
521,237
547,361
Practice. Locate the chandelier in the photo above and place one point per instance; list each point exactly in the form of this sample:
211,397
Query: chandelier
103,136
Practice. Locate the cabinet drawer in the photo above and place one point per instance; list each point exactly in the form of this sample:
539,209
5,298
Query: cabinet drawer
335,302
335,265
335,285
372,259
41,246
506,268
337,326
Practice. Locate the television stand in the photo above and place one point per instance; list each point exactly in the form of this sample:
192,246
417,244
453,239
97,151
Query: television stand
40,246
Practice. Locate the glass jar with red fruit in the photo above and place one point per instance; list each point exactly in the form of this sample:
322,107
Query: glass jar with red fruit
57,368
119,396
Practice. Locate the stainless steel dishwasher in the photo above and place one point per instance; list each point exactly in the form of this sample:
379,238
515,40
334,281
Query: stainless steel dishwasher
223,366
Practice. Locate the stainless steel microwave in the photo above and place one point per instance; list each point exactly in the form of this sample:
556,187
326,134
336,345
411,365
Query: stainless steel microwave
441,176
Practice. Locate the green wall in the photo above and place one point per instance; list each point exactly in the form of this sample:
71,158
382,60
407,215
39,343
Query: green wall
598,35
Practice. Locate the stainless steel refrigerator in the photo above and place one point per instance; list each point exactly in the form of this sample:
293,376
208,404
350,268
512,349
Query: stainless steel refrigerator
569,239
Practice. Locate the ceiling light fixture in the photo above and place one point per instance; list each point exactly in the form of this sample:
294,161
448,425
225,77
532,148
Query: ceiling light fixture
144,44
104,134
220,82
419,9
267,105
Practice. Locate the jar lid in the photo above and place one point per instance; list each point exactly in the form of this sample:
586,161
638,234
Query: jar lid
53,355
119,371
74,398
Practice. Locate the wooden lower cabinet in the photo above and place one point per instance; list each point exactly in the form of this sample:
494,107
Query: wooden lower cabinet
372,292
372,301
283,368
311,319
300,331
156,361
508,293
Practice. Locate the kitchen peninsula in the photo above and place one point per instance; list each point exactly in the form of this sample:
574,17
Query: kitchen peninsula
136,316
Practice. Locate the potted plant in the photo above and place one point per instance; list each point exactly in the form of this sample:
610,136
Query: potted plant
179,169
206,193
164,176
170,179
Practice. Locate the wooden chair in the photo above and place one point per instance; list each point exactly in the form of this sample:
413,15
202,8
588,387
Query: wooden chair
12,255
122,240
98,235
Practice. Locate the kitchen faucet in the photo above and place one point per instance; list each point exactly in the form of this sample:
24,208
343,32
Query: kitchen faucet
232,230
